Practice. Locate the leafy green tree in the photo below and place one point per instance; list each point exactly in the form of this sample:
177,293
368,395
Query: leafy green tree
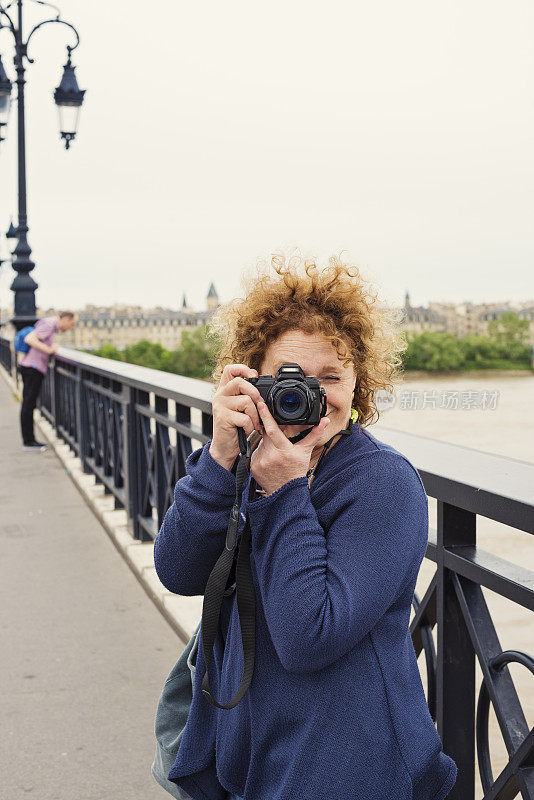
432,351
510,331
146,354
196,356
108,350
479,352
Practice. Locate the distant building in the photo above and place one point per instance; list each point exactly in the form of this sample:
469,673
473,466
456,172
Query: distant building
124,325
523,310
186,309
212,298
462,319
418,318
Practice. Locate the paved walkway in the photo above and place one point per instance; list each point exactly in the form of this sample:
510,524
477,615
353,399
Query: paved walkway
85,652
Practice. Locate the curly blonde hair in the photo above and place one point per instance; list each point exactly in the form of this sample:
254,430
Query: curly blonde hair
334,302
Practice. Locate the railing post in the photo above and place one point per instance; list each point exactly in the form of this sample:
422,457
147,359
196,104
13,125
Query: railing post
6,358
129,433
14,364
138,468
455,656
184,447
161,445
119,468
54,392
82,421
106,422
207,424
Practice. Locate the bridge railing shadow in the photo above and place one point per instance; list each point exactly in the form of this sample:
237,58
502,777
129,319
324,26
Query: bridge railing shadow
134,427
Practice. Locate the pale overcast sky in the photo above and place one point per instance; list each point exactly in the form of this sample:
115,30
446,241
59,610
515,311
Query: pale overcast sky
214,133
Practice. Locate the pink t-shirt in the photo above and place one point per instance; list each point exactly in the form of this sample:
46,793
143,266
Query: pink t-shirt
45,329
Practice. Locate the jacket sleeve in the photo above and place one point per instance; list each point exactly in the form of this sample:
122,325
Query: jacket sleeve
324,590
193,532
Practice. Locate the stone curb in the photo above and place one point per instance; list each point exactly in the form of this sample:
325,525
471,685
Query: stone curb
182,613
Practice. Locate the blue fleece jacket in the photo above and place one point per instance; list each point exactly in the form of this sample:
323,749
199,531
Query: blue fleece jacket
336,709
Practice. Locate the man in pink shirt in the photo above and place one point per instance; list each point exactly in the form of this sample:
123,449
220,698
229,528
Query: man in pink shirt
33,368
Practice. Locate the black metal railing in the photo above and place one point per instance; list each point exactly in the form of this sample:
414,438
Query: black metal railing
121,421
117,418
5,354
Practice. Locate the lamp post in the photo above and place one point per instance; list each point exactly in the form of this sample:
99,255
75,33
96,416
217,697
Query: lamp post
67,96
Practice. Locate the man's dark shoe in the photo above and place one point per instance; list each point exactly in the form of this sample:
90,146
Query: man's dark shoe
35,446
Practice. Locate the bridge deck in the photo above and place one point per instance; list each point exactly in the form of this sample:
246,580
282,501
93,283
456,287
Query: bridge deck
84,651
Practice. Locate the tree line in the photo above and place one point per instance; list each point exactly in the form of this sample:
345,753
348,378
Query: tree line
505,347
195,357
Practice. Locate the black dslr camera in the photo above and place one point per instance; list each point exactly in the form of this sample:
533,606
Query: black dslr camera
291,398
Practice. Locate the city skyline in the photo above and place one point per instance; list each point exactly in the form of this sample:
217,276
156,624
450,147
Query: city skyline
527,303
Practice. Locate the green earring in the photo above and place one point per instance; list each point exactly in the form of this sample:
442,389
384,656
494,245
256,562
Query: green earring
354,414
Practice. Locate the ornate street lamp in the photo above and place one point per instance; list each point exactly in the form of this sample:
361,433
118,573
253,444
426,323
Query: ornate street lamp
69,98
5,98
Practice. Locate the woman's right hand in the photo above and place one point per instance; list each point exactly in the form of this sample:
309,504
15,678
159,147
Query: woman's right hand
234,406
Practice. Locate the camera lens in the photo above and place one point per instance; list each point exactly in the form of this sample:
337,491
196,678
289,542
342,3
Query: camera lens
291,403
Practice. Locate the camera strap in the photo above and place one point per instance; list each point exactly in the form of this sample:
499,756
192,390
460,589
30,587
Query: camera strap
216,588
244,588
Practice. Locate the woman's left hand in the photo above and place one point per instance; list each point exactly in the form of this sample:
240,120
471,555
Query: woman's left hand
275,461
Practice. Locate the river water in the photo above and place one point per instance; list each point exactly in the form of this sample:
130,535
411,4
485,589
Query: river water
486,411
491,412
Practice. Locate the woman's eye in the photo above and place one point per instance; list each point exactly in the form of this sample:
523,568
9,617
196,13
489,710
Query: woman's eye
331,379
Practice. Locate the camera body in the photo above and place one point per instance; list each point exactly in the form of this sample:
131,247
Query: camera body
291,397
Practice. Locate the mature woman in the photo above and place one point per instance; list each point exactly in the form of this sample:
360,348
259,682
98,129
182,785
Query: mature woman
336,708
